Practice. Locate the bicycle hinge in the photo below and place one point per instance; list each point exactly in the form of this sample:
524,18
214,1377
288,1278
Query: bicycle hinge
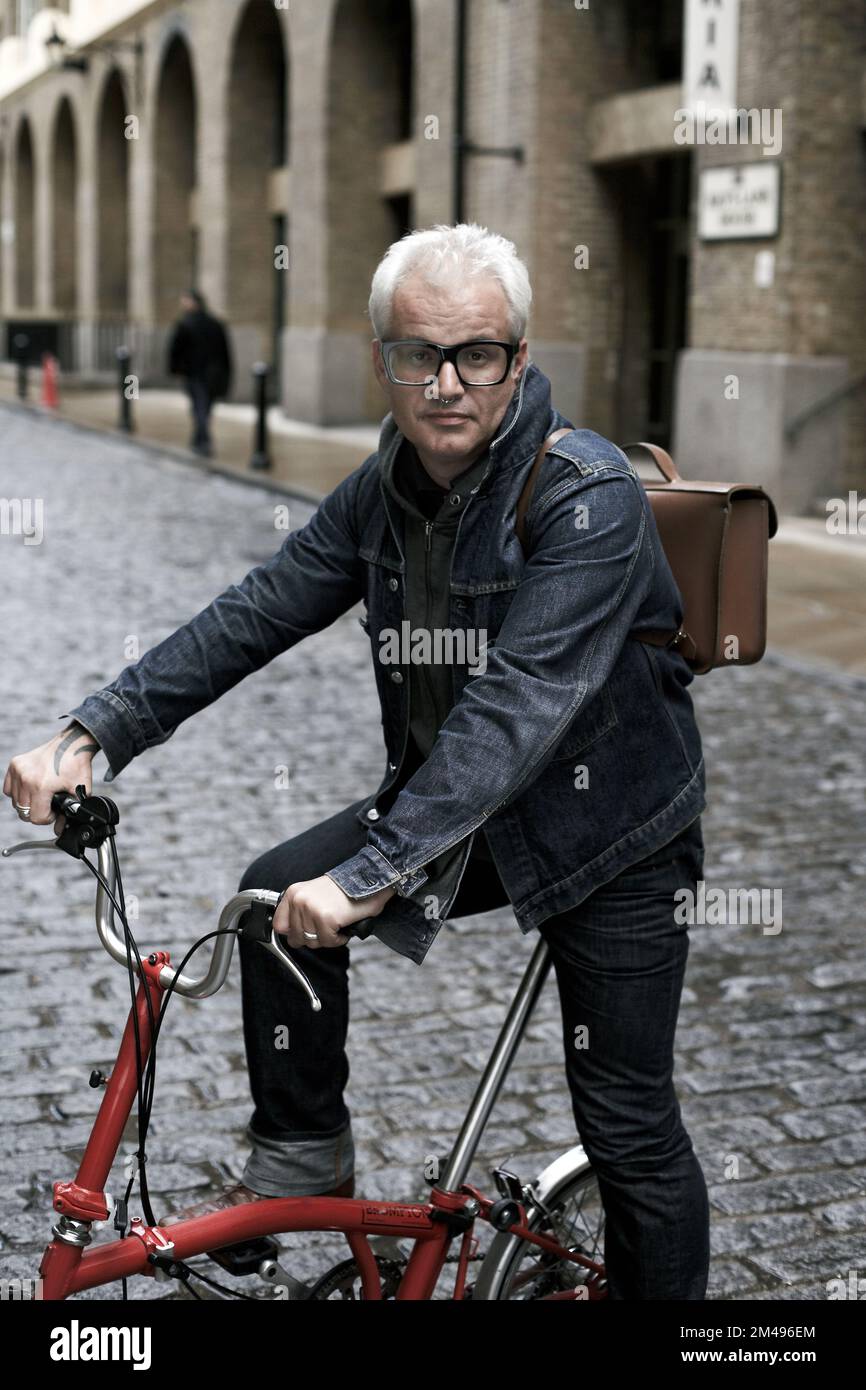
457,1211
155,1242
80,1203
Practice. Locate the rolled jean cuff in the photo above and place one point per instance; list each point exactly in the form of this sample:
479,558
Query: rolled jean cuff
299,1168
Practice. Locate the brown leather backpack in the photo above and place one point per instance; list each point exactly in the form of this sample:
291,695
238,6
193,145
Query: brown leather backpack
715,537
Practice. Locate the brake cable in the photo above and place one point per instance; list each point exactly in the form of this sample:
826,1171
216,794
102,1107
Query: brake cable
146,1072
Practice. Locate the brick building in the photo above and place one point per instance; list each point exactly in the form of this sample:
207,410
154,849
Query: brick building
708,295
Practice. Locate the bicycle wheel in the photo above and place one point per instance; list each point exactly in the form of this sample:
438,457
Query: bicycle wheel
343,1282
570,1210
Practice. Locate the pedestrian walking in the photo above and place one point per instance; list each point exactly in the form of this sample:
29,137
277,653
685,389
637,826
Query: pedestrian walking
199,351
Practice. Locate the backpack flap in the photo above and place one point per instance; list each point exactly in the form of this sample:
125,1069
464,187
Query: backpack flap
715,537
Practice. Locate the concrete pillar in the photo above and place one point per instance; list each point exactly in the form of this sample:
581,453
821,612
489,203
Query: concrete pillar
742,437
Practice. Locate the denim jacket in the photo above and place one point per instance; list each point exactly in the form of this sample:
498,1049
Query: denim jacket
574,745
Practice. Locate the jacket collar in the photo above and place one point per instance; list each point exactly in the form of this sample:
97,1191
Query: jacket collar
462,485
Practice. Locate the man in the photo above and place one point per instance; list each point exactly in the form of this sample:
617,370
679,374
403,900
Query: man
561,770
199,351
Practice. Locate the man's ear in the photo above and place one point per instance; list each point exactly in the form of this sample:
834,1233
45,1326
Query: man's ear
377,364
520,359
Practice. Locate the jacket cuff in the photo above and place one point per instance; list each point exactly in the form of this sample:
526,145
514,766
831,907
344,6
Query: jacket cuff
368,872
115,728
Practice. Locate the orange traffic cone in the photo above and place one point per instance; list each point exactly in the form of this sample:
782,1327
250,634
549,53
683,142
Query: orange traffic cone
50,393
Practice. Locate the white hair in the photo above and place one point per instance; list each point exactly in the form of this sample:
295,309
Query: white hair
447,256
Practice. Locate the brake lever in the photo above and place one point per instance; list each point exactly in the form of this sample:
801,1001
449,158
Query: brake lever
28,844
296,970
258,925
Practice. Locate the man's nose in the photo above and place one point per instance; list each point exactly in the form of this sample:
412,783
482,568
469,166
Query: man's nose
449,382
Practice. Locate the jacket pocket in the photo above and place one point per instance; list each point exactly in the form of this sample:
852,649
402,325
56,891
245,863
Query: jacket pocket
591,723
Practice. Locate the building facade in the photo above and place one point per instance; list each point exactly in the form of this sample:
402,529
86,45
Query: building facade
707,294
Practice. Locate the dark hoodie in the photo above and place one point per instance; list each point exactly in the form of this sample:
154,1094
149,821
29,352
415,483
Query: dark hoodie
431,515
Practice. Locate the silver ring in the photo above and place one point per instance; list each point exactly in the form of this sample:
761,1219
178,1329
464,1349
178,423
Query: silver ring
23,811
313,935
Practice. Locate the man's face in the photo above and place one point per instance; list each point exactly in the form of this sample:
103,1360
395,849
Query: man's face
449,437
187,304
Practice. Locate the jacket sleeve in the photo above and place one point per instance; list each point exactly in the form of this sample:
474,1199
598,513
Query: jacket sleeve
563,632
176,353
312,579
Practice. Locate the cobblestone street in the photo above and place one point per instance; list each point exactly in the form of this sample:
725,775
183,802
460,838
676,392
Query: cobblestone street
771,1064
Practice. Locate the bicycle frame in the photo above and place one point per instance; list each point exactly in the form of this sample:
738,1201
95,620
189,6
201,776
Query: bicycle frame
68,1267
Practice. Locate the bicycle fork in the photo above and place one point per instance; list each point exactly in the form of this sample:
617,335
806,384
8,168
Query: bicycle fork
84,1200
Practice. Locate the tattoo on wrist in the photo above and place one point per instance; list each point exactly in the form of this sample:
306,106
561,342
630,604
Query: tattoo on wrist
72,736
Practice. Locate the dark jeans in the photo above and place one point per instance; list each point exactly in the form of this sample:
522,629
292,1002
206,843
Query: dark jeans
201,402
619,960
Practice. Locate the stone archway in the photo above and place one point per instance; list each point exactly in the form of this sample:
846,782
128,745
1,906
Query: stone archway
175,218
257,146
3,248
64,173
113,202
25,265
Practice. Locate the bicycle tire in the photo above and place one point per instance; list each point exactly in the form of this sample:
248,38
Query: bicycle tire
568,1189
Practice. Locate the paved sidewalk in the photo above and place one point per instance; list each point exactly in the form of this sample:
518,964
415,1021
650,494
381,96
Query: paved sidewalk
309,459
770,1055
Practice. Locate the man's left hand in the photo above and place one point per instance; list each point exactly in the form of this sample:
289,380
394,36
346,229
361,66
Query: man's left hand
318,905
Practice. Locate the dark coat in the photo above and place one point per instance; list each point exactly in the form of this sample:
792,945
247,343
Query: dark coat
199,348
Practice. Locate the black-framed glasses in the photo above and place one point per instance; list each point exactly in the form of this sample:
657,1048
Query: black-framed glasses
479,362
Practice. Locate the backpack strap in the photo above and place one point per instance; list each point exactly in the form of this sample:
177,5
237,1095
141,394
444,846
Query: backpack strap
529,486
674,638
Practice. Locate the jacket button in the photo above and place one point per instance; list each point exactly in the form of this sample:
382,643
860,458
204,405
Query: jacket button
392,584
454,499
392,767
372,814
397,677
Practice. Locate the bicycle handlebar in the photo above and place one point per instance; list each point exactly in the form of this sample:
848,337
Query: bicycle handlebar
91,826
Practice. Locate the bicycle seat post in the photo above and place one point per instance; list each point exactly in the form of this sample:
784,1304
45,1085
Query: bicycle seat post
498,1067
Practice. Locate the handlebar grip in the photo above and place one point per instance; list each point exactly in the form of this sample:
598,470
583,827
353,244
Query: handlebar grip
361,929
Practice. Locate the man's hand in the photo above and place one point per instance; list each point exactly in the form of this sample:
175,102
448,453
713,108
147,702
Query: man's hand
318,906
61,764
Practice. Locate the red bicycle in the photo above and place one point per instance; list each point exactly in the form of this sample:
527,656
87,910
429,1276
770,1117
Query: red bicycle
548,1231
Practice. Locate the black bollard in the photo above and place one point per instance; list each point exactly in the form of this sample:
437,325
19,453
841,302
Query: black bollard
125,421
260,458
21,343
